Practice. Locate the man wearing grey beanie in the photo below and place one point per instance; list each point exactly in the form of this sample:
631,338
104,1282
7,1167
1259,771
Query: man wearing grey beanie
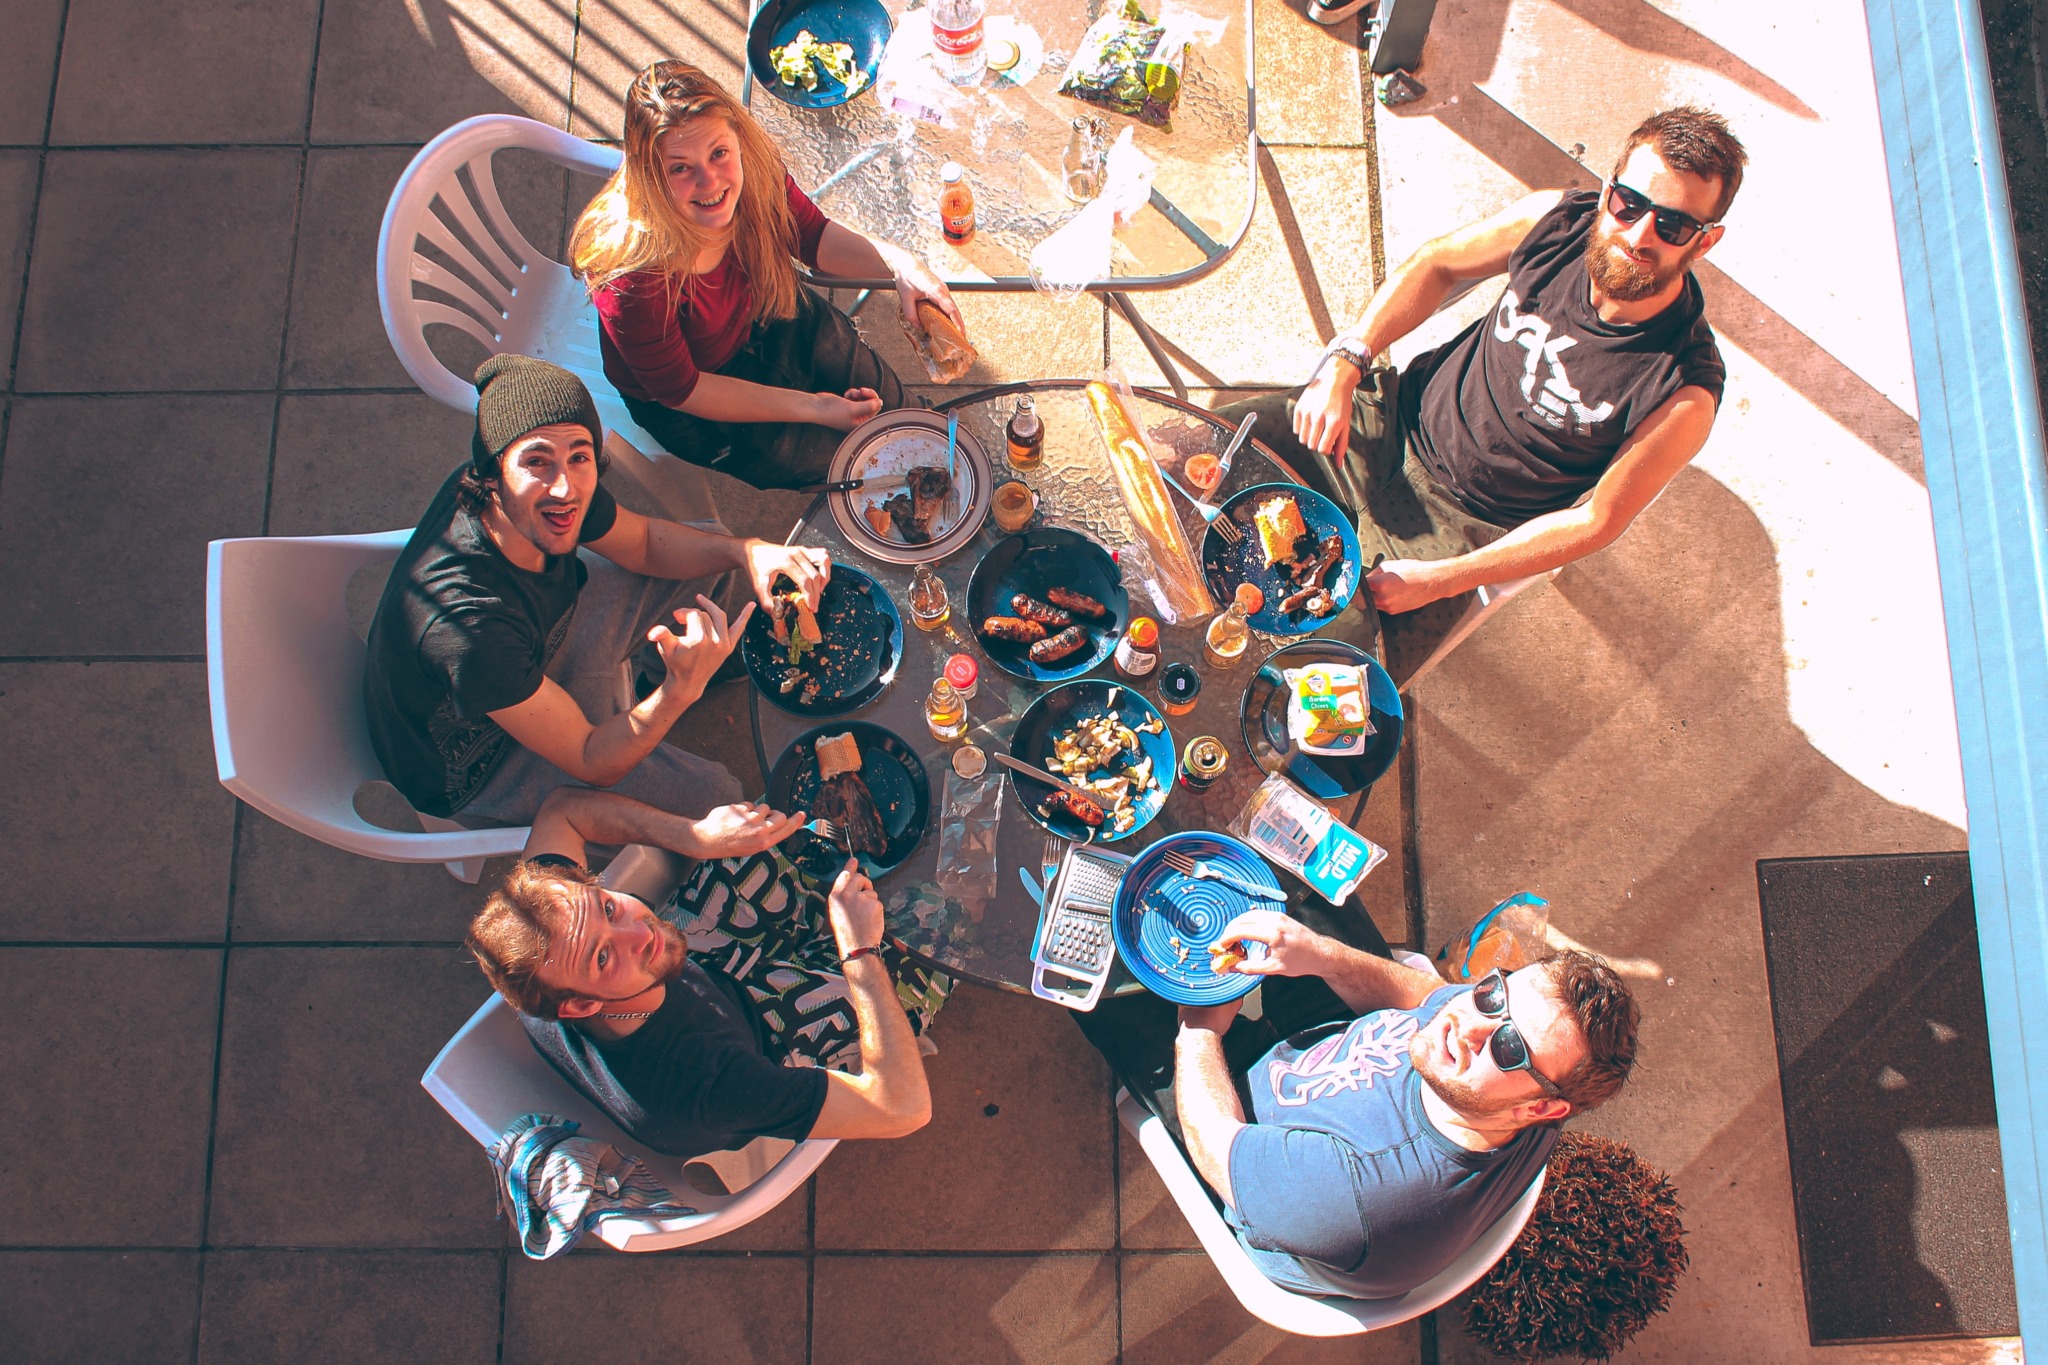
495,654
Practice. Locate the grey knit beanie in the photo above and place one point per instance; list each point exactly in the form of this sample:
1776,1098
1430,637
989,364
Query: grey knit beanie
515,394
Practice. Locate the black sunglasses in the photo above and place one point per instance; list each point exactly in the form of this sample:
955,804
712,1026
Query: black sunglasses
1510,1050
1673,226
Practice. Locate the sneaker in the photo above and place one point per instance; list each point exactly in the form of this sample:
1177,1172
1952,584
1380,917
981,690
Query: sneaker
1334,11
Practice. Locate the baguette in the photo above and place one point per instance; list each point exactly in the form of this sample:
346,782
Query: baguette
943,347
1145,498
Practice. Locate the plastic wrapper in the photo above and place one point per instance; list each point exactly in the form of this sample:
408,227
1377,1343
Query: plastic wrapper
969,818
1287,826
1509,937
1327,710
1077,255
1132,65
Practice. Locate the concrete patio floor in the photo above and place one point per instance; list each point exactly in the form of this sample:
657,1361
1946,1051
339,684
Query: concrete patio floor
211,1012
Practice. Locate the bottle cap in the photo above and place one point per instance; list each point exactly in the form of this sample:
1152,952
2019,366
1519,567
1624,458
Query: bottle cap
1144,632
961,671
1180,683
951,171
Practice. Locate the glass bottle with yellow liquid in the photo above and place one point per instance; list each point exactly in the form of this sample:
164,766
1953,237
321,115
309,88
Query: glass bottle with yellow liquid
1228,637
929,606
945,712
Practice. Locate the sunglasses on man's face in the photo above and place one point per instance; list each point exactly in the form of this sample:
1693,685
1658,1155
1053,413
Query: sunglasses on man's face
1673,226
1510,1049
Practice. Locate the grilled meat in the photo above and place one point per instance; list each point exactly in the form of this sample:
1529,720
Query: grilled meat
845,800
1012,628
1059,646
1031,609
1079,603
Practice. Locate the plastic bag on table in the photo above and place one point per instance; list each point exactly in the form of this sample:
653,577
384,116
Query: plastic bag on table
970,816
908,81
1510,936
1077,255
1132,65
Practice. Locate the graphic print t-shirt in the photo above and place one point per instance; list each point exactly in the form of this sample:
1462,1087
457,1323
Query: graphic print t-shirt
1343,1185
1522,412
462,631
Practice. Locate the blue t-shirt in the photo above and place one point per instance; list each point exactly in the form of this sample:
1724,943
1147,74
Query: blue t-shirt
1343,1185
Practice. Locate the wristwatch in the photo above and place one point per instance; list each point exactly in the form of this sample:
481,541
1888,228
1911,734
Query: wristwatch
1346,348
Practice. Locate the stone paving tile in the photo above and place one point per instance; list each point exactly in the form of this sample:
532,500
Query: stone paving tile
19,172
617,1307
349,1306
350,463
158,270
1018,336
1016,1090
916,1309
617,40
1310,89
216,71
110,503
112,1053
1151,1221
109,792
398,74
321,1052
1304,270
1177,1310
288,886
84,1307
337,337
29,32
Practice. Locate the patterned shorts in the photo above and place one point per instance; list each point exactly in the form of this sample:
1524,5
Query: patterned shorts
761,920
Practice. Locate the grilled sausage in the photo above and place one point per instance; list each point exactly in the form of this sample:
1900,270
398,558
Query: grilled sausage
1080,807
1079,603
1012,628
1031,609
1059,646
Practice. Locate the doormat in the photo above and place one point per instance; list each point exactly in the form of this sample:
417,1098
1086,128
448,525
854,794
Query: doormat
1878,1004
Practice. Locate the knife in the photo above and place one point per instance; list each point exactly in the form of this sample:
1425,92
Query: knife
856,485
1097,799
1244,429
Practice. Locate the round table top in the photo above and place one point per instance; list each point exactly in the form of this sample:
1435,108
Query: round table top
989,939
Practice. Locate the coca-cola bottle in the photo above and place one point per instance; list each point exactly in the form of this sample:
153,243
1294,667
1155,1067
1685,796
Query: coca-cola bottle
956,39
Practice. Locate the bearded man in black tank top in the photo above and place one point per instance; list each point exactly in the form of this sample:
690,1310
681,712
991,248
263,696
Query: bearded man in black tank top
1536,435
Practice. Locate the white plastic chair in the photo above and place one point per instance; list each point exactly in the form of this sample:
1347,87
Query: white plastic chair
509,296
489,1074
1301,1313
284,676
1491,597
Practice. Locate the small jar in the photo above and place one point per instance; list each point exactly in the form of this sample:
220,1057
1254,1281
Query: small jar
969,760
1179,686
964,675
1014,505
1137,654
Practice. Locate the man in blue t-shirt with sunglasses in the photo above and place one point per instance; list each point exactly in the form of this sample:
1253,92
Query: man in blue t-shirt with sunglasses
1376,1121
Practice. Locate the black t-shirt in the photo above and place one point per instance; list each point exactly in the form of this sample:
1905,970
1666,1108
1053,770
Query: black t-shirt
695,1078
462,631
1523,411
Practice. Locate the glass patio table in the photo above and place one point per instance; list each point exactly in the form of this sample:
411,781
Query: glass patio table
877,170
991,942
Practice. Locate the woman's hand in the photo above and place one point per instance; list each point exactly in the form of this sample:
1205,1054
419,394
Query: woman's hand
914,281
844,412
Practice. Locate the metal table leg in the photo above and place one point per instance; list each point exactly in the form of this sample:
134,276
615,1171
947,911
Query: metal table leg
1123,305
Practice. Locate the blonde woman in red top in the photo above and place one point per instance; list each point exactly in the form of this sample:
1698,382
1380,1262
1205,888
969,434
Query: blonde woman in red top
690,255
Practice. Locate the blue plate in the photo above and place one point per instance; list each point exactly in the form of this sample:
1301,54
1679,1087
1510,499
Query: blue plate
862,647
1059,711
1324,776
1164,922
894,776
1228,565
861,24
1032,563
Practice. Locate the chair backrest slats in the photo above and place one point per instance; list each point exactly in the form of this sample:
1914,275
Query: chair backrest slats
491,296
432,310
499,256
495,222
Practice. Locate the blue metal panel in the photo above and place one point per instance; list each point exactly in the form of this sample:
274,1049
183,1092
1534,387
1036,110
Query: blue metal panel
1980,424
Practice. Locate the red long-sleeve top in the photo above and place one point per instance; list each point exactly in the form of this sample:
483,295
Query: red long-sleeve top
655,346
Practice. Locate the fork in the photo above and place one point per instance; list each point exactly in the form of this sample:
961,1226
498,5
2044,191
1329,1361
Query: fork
1050,858
1203,872
826,830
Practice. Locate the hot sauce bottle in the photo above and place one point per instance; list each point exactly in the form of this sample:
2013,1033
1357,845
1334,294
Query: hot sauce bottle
956,204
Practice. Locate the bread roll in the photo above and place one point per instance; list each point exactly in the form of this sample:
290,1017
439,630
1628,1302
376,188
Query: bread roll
838,754
943,348
1145,498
